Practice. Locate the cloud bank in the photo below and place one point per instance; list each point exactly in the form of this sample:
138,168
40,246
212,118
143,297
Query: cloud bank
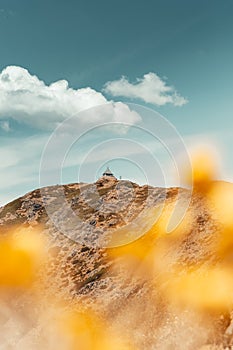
27,99
150,89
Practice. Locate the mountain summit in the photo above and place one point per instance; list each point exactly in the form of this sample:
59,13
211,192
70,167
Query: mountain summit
83,271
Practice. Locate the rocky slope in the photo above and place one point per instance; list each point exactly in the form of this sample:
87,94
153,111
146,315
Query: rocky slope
100,207
81,269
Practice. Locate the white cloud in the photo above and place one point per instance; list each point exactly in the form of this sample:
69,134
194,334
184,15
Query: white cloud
26,98
151,89
5,125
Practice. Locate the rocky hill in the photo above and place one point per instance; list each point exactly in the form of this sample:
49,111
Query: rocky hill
77,258
83,268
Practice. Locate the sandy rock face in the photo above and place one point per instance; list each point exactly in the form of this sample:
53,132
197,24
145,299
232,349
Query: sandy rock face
77,218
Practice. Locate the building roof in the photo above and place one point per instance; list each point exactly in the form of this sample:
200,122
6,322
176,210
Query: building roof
108,172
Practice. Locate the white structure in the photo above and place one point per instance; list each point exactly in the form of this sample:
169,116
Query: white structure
108,172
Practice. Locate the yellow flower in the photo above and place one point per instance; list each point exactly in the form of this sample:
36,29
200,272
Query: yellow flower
82,330
21,253
210,289
204,169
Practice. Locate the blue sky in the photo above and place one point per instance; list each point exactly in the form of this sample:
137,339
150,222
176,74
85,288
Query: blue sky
175,56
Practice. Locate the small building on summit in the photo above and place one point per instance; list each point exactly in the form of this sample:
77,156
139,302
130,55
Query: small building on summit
108,172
